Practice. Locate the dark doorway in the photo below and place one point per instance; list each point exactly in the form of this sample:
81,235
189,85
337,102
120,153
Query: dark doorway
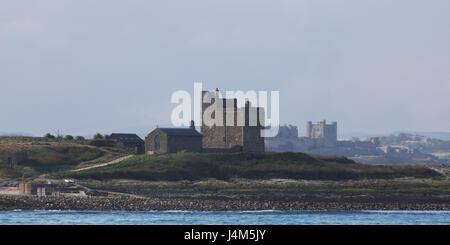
10,162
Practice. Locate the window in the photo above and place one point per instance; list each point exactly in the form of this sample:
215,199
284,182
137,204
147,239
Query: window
156,143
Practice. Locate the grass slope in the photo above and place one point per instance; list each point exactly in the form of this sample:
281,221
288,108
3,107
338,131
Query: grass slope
196,166
42,158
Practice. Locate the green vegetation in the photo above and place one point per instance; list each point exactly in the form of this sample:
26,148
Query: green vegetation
80,138
125,151
35,158
274,185
45,139
98,136
49,136
220,172
68,137
47,159
197,166
53,158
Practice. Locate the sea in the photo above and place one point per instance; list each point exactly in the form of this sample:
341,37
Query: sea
269,217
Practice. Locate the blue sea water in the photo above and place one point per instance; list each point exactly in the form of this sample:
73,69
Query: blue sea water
225,218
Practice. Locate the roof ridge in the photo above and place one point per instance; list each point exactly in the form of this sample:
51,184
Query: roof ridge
181,131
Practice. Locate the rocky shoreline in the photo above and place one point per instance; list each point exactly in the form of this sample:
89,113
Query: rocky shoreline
205,203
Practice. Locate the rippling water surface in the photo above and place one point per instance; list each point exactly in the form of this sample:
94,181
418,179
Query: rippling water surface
224,218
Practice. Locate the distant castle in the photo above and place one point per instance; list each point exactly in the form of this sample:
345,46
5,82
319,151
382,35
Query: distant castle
321,139
322,130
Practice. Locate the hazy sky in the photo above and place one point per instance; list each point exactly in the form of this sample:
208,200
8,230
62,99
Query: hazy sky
82,67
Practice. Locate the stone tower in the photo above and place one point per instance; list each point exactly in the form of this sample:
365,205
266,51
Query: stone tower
233,129
322,130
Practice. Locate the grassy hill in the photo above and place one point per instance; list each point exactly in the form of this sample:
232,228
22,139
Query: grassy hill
196,166
42,158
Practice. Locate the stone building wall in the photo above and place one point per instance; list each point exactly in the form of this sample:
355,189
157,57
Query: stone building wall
218,136
172,143
235,132
150,140
184,143
222,137
253,142
287,132
322,130
37,189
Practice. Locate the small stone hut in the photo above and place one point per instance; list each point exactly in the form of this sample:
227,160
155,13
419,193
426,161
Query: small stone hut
171,140
37,189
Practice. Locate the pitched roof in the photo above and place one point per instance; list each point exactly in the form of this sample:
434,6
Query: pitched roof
180,132
126,137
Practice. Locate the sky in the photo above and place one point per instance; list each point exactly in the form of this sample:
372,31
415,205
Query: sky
81,67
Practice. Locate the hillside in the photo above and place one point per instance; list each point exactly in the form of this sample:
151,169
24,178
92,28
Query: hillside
196,166
35,158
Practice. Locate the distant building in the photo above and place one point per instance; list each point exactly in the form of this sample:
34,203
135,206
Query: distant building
38,189
287,132
231,135
321,140
131,141
322,130
375,141
171,140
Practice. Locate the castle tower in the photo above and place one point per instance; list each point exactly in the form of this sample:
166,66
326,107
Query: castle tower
322,130
309,129
234,132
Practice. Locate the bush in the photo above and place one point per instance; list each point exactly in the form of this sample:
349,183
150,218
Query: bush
98,136
79,138
54,158
49,136
68,137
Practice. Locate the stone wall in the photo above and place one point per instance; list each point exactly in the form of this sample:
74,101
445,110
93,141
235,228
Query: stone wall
287,132
184,143
322,130
150,142
253,142
237,130
172,143
37,189
222,137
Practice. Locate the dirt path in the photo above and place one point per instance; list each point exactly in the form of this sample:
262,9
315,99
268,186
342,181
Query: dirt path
445,170
103,164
